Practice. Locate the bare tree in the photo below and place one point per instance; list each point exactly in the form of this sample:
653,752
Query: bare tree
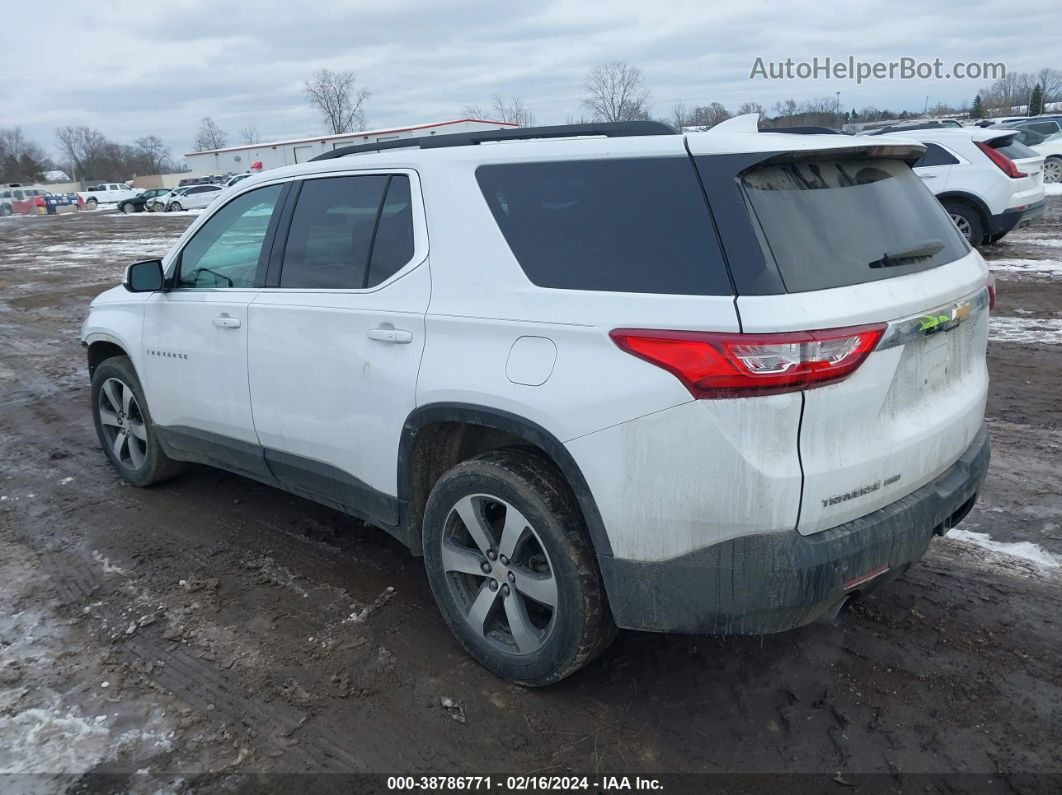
680,116
615,91
752,107
249,134
83,147
20,160
1051,81
708,115
210,136
512,112
154,154
473,112
338,99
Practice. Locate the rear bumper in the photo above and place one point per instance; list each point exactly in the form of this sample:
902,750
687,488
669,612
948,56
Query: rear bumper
1009,220
777,581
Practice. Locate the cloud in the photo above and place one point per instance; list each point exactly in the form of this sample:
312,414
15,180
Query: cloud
139,68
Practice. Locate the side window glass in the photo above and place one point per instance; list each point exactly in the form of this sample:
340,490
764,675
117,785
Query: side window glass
935,156
226,249
331,232
393,245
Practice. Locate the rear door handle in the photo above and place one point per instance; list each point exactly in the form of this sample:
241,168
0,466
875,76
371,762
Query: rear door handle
226,321
395,335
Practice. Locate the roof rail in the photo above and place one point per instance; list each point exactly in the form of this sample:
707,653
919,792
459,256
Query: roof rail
615,129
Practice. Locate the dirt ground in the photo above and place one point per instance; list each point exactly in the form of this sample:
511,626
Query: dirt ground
212,625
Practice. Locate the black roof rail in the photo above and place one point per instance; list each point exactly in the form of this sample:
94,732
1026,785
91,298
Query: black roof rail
802,130
614,129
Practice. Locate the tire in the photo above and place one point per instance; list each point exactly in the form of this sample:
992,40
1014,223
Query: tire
1053,169
552,558
174,208
127,208
91,203
968,221
119,410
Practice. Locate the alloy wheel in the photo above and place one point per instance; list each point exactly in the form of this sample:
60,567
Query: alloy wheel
963,225
122,421
499,574
1053,170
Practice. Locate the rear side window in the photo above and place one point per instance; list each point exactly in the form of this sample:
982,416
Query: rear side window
833,223
638,225
936,156
349,232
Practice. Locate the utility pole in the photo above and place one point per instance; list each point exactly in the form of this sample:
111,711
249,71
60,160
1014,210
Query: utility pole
925,110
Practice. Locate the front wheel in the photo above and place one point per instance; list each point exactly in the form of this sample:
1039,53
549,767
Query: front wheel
124,427
175,207
512,568
968,221
1053,169
127,208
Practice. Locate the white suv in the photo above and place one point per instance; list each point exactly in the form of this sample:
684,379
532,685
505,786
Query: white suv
989,182
597,376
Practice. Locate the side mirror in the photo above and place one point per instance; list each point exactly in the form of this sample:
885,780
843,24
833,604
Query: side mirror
144,277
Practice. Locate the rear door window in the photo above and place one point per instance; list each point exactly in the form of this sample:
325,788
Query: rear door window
631,225
936,156
833,223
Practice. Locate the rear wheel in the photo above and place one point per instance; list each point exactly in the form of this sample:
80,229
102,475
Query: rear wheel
1053,169
967,220
512,568
91,203
124,427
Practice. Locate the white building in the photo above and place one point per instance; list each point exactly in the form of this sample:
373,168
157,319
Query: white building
257,157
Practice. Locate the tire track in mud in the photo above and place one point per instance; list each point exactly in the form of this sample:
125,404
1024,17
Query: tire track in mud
288,736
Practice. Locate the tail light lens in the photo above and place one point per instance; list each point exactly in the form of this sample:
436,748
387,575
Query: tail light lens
1008,166
722,365
991,284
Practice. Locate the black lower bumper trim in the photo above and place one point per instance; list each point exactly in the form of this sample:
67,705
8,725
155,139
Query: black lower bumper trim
1009,220
777,581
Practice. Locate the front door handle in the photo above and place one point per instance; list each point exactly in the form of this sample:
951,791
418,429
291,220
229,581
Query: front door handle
226,321
395,335
928,176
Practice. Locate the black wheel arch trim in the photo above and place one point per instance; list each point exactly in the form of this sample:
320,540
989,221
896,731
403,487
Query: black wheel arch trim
501,420
968,198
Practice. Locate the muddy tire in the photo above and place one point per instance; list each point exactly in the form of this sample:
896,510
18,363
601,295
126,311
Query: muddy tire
91,204
124,426
967,220
513,571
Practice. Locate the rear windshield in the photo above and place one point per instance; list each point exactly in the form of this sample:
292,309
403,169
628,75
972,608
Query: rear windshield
637,225
1013,148
833,223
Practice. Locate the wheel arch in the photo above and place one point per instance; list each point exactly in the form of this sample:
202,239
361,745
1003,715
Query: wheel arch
99,349
452,431
968,199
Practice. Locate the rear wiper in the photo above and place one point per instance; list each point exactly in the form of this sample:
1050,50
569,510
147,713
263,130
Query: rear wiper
926,248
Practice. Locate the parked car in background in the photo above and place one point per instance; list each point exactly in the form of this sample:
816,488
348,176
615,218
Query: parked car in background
193,197
35,201
159,203
107,193
139,204
236,178
988,181
578,412
1046,143
1045,125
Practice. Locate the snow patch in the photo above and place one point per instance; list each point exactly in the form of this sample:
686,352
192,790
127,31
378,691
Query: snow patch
1025,550
1053,189
1050,267
1044,331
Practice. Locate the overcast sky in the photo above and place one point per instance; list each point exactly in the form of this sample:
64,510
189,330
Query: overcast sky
157,66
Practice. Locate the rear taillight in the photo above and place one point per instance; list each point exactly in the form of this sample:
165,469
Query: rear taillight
723,365
991,284
1008,166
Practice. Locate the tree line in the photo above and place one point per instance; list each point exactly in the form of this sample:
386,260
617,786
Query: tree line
612,91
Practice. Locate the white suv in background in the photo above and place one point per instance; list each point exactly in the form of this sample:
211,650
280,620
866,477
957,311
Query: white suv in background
192,197
596,375
989,182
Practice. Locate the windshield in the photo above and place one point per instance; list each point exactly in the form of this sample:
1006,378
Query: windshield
832,223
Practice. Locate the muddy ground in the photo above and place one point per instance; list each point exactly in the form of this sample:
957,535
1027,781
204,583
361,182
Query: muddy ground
214,625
